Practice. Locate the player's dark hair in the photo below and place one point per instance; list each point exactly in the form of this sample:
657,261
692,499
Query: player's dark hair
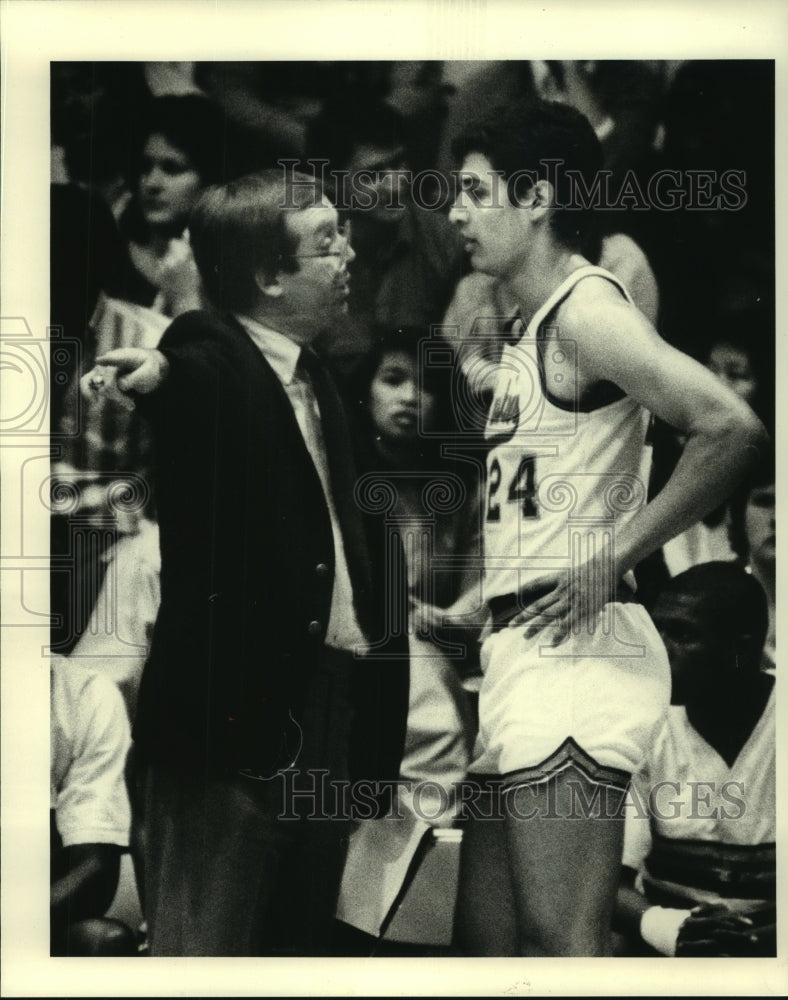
238,229
525,137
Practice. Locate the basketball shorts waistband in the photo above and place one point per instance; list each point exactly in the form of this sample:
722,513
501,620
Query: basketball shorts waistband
506,606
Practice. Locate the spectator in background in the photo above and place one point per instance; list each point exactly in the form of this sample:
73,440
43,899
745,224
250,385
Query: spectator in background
753,535
89,811
116,639
86,257
718,117
622,99
761,541
95,108
275,102
405,417
699,861
730,360
409,258
733,353
403,411
421,93
180,152
476,85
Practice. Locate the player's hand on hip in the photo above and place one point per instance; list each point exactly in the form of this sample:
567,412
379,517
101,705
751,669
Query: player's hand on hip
568,601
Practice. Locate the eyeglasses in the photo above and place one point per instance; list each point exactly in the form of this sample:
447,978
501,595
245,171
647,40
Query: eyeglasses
342,252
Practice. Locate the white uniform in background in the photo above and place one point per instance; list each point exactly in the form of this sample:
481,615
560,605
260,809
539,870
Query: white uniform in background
702,830
89,742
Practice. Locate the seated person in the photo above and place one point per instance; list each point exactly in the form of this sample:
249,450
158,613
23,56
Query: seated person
753,535
699,849
761,536
89,812
117,637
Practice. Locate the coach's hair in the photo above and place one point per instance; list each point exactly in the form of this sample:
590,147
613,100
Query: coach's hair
732,600
523,136
238,229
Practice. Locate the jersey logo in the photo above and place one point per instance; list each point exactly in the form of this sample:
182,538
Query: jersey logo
504,416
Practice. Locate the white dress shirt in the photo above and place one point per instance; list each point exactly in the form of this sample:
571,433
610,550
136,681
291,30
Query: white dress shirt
282,354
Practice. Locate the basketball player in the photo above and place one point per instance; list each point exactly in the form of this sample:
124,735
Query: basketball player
575,674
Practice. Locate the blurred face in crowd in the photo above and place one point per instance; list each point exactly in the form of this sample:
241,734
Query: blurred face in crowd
316,293
733,367
168,186
759,524
492,229
697,650
386,191
399,407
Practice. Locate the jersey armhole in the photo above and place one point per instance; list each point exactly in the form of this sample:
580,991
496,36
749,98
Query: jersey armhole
603,393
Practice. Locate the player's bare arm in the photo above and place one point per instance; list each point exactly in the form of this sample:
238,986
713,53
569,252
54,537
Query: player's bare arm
724,437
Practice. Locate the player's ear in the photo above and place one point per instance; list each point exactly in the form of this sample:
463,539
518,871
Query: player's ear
543,195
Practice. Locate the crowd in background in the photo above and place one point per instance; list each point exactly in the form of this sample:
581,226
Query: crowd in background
133,147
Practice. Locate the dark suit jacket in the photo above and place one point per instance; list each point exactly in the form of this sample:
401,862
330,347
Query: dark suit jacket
247,570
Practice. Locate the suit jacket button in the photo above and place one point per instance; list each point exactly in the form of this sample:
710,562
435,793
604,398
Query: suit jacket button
315,628
321,570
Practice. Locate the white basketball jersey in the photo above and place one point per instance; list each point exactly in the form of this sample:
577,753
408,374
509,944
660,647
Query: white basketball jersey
559,479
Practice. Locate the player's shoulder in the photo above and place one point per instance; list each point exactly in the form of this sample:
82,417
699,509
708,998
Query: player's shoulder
620,251
597,305
474,290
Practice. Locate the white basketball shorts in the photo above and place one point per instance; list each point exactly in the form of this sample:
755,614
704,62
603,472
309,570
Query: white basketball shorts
604,692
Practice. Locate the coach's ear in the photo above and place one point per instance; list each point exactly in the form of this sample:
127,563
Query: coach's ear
268,285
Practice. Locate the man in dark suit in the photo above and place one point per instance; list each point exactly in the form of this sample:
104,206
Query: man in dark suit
260,696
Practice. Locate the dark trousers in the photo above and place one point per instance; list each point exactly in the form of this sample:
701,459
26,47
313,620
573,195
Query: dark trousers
239,866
